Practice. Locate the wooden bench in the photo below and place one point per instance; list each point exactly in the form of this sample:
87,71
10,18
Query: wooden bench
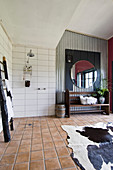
73,101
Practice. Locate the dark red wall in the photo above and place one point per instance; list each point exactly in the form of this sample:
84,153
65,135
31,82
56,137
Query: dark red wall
110,59
82,66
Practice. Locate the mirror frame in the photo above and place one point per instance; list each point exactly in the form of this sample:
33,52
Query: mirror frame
77,55
84,71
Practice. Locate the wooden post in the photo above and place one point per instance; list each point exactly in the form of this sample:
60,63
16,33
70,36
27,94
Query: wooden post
67,103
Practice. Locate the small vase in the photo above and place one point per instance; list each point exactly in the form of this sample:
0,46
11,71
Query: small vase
102,99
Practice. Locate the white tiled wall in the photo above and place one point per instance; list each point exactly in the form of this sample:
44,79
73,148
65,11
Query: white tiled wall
5,50
29,101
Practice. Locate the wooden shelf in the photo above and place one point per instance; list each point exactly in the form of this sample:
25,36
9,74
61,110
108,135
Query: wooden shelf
73,100
88,105
87,111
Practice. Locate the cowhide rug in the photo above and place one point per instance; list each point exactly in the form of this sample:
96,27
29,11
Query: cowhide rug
92,145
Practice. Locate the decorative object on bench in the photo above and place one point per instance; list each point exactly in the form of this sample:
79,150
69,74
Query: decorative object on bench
92,145
73,104
101,92
88,100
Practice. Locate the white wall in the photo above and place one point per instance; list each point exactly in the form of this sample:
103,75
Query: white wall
5,50
28,101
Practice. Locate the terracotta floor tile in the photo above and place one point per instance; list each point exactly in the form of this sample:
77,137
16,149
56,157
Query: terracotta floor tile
26,142
62,151
52,164
57,138
24,148
22,157
3,145
27,132
74,168
6,167
48,145
66,162
48,139
36,135
11,150
14,143
36,141
50,153
37,165
7,159
26,136
17,137
56,133
46,135
45,130
59,143
2,150
53,129
36,155
53,136
22,166
36,147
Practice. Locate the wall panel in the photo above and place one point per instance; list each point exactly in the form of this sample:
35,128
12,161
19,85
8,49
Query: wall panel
75,41
35,102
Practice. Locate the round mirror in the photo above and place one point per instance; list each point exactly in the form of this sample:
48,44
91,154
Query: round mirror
83,74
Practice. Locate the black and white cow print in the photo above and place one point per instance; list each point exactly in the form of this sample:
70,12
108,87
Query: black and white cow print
92,145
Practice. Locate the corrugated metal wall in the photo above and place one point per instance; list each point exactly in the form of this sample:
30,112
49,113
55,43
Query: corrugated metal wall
75,41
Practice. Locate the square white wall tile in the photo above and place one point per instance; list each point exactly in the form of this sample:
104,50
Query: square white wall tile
43,68
18,55
31,108
30,102
43,51
52,52
31,96
51,69
18,103
18,114
43,85
52,58
42,102
42,96
51,63
19,108
43,63
19,48
43,75
52,85
43,79
42,57
19,96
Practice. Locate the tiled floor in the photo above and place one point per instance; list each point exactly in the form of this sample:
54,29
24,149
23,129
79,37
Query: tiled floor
40,143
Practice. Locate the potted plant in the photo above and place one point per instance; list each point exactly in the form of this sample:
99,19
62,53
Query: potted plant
101,92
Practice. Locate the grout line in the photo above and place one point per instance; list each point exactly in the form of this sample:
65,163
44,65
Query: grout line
18,149
30,146
42,146
54,146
